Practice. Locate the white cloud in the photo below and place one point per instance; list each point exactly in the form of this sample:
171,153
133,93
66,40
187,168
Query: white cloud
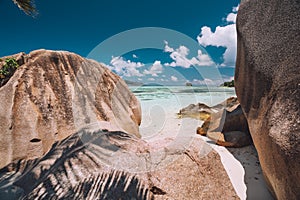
167,47
151,79
125,68
235,9
209,81
214,82
134,56
227,78
224,36
174,78
231,17
206,81
179,57
203,59
155,69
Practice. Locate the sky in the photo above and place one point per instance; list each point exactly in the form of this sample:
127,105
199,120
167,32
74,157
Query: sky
168,42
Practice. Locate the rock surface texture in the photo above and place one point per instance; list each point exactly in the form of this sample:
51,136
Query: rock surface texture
268,88
227,126
52,95
202,111
115,165
197,111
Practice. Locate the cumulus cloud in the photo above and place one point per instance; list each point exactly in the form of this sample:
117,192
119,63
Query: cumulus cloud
167,47
224,36
231,17
205,81
174,78
125,67
180,59
213,82
134,56
203,59
151,79
155,69
227,78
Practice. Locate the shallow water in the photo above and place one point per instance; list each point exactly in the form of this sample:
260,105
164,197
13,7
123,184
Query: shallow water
183,94
161,103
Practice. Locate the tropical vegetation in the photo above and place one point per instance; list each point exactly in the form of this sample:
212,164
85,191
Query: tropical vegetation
27,6
8,68
228,84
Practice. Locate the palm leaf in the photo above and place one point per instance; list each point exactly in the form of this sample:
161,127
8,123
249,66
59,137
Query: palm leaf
26,6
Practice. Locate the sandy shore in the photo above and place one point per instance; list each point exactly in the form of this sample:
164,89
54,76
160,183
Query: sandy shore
241,164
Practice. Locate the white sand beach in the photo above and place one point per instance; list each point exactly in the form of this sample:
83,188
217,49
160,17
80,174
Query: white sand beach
160,123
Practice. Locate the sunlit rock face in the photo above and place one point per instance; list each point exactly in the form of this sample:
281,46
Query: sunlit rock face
52,94
268,87
226,124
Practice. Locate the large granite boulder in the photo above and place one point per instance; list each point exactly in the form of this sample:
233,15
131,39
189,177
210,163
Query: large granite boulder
227,126
52,94
268,88
115,165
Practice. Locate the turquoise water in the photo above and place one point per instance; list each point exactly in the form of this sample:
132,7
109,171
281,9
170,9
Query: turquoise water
183,94
161,103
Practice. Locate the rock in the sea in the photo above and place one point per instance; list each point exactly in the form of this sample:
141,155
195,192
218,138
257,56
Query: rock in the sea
228,126
202,111
115,165
268,88
53,94
197,111
188,84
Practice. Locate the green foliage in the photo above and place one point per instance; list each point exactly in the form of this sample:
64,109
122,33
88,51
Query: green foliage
9,67
228,84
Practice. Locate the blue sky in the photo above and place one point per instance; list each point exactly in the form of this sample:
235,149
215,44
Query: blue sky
192,40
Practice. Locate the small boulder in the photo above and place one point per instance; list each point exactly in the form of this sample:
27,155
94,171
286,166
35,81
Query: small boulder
188,84
231,138
197,111
228,126
204,128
